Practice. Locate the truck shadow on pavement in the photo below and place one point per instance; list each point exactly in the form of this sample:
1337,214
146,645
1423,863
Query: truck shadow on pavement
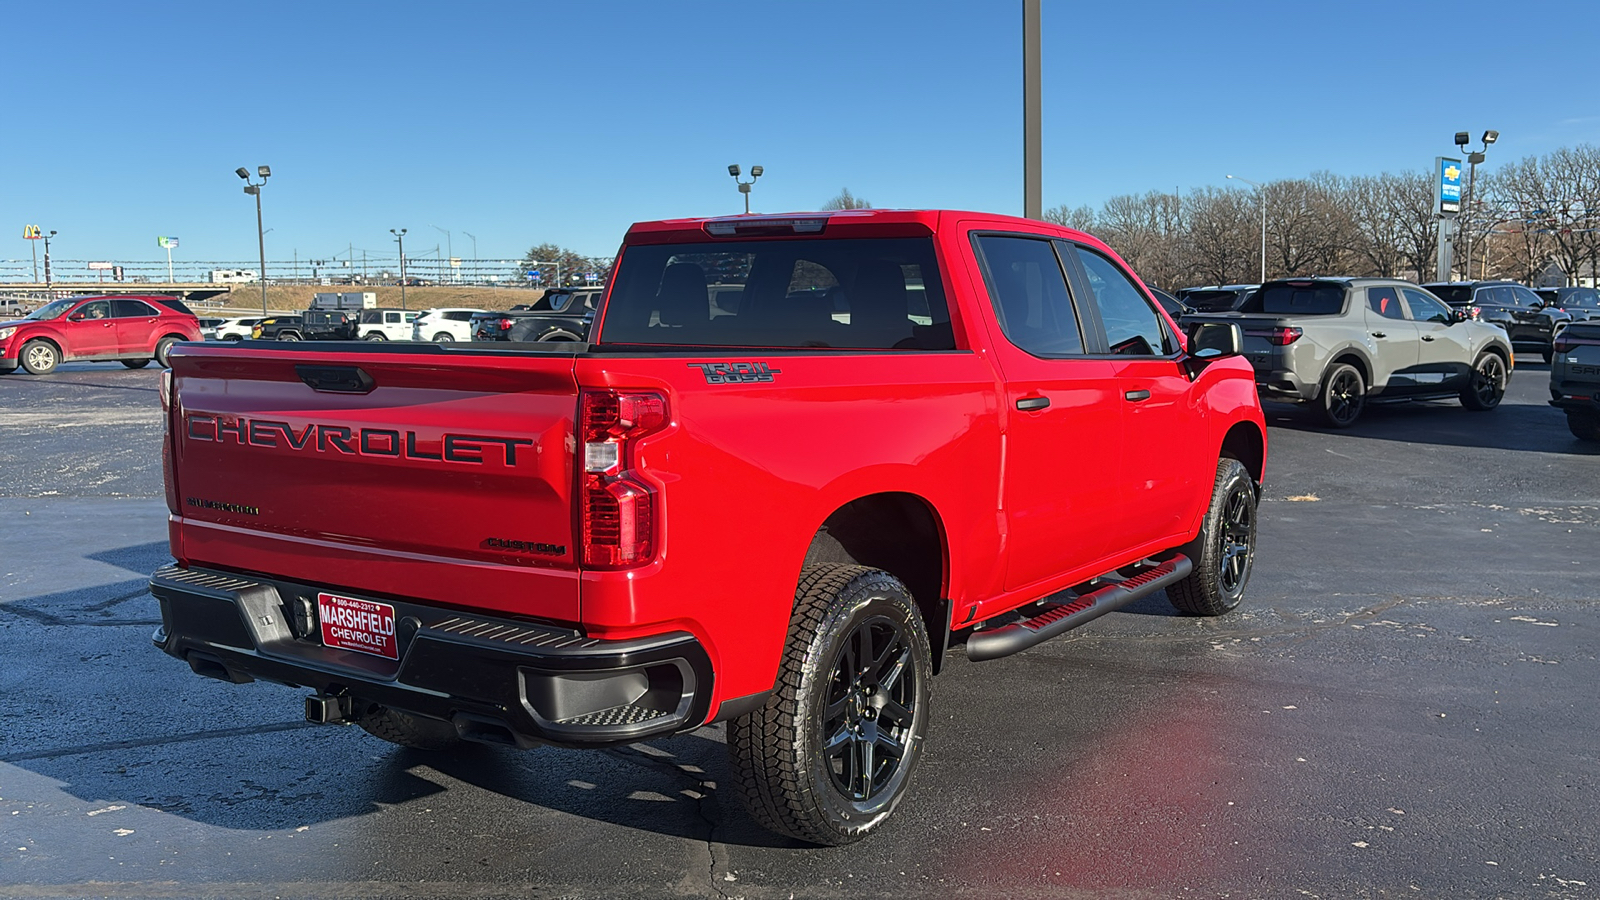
1511,426
147,731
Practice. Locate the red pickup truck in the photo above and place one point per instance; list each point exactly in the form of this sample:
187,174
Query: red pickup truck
800,460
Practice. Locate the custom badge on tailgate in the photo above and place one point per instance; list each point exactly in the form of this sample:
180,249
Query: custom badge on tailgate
736,373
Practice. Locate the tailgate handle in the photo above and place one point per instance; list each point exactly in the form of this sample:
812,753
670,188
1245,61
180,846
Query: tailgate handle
337,379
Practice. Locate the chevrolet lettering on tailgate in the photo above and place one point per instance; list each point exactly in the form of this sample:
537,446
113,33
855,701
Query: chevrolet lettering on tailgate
319,438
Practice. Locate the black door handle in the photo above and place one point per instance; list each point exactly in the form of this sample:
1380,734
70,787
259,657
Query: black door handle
1379,334
1427,337
1029,404
1136,396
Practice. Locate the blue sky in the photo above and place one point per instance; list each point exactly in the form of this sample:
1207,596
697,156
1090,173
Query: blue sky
529,122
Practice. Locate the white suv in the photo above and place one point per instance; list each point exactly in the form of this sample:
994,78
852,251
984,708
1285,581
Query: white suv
386,324
439,325
231,329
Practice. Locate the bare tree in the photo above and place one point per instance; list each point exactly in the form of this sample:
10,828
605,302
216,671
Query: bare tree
1082,218
1379,223
846,200
1221,225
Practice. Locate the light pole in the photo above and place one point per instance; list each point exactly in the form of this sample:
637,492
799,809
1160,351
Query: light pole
474,255
250,187
744,186
1473,158
1261,196
400,238
449,245
1032,113
47,238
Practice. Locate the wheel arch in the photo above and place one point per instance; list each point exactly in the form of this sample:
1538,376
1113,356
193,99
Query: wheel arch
1245,443
1353,356
902,534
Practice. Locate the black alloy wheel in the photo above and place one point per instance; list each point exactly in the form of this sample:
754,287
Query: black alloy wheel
1344,396
1488,385
1238,542
871,705
1225,549
831,753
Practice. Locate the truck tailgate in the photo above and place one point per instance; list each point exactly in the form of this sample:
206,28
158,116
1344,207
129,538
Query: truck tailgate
419,473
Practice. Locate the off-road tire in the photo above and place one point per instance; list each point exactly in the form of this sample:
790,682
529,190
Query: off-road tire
375,336
1343,396
407,730
1225,549
1486,387
163,349
782,769
136,363
39,357
288,336
1585,426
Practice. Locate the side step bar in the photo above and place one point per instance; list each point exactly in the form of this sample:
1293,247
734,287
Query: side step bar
1064,617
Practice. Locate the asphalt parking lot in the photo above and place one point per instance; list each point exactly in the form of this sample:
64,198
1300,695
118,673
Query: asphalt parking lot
1405,705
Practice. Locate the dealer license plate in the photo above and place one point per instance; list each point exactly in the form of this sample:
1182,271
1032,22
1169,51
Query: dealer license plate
361,625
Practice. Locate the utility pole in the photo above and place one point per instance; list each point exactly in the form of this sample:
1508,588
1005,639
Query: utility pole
1032,113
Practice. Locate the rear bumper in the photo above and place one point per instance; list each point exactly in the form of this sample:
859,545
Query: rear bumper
497,680
1284,385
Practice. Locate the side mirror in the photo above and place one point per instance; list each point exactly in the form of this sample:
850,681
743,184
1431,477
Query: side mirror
76,317
1215,340
1209,342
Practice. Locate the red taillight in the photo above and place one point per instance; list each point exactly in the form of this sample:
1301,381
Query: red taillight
505,324
1561,344
617,507
169,472
1278,337
1474,312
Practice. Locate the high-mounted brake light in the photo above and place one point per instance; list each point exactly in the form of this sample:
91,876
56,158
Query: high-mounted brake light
766,225
617,507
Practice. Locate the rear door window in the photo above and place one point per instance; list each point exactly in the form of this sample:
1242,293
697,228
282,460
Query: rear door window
1029,291
1385,302
132,309
864,293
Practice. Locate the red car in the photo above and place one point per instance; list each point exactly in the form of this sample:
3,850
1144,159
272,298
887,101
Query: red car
128,329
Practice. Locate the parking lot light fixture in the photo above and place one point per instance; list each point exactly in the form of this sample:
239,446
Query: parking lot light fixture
46,238
261,236
1261,195
400,238
744,186
1473,158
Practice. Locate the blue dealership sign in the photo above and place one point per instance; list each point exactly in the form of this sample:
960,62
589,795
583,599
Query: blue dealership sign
1447,185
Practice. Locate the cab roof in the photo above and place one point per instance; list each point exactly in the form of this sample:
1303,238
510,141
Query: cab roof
847,223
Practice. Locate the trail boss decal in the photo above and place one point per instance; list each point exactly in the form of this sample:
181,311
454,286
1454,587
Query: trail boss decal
736,373
457,448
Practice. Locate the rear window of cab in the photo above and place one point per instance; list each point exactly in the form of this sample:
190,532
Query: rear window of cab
849,293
